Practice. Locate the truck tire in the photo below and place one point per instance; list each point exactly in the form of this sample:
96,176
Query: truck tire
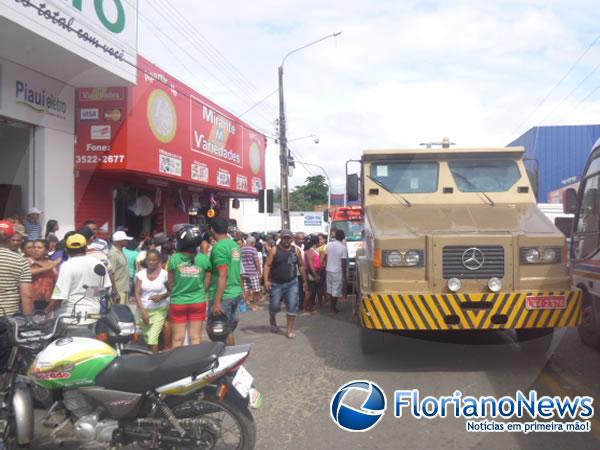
371,342
535,340
589,334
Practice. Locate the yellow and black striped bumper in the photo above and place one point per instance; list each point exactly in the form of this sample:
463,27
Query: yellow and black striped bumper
504,310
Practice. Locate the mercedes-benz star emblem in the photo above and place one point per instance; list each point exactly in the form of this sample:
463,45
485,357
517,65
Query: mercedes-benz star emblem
473,259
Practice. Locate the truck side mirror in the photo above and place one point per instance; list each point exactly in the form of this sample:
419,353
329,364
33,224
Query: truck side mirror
569,201
352,186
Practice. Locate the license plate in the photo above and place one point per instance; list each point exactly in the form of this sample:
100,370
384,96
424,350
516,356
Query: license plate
242,381
546,302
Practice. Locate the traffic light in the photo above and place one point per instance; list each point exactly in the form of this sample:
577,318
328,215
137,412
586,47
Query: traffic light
261,201
270,201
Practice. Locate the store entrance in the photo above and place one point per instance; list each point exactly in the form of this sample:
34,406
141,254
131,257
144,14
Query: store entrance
135,211
15,166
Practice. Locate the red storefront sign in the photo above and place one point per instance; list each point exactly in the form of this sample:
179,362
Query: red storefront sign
161,127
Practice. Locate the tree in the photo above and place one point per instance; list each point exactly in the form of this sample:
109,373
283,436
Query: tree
307,196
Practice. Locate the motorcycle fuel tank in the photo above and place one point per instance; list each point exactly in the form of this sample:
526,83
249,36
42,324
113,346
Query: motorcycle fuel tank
71,362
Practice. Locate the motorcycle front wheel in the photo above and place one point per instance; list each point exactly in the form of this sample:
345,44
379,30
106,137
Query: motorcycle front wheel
217,424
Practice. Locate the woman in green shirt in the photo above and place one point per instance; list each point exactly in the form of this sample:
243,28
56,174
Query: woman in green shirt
189,277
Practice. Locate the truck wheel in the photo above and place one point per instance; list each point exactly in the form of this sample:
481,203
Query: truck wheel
588,332
371,341
535,340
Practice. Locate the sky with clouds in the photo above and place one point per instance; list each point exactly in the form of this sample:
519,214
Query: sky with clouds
401,73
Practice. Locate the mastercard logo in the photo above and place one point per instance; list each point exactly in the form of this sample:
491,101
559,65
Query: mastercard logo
114,115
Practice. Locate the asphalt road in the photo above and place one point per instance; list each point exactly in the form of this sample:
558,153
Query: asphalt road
298,378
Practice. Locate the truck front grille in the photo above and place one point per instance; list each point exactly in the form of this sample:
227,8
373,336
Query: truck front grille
455,260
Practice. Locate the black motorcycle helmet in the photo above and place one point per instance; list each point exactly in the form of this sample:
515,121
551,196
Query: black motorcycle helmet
217,327
188,238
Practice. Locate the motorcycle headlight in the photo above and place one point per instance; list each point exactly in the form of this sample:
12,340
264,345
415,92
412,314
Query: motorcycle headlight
543,255
127,328
402,258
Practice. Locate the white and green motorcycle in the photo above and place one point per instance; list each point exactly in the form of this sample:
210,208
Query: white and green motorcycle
194,397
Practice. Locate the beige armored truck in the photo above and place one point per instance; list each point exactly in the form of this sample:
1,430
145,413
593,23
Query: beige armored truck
454,241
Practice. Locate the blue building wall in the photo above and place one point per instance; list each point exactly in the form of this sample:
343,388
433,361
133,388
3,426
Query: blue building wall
561,152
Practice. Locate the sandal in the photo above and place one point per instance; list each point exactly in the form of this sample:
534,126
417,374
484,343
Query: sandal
291,335
274,329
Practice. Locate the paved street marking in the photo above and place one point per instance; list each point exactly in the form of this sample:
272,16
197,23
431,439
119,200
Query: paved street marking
551,380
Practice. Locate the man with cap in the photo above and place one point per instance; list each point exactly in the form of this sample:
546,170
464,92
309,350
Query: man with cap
97,243
90,235
32,224
119,264
76,277
15,276
281,279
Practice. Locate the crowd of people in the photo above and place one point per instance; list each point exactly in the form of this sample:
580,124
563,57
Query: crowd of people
174,282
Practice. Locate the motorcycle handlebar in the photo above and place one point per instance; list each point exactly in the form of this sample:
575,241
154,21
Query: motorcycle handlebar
42,337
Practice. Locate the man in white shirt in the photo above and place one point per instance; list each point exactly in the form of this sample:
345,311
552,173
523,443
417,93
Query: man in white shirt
299,244
336,263
77,279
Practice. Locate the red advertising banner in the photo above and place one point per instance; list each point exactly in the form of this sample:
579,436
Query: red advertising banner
163,128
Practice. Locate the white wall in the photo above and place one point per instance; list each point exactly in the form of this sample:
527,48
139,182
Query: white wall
249,219
54,178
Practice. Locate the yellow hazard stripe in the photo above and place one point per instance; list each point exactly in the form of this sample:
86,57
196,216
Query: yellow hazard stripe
478,311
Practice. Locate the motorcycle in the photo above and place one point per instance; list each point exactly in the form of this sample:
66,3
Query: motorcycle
16,403
194,397
116,326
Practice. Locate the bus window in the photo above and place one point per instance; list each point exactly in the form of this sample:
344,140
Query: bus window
587,232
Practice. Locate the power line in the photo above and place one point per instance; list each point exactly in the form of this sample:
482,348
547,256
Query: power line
581,102
297,158
212,48
191,56
258,103
181,23
590,73
549,93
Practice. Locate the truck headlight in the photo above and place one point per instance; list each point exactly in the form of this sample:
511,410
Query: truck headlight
403,258
541,255
392,258
454,284
551,255
495,284
412,258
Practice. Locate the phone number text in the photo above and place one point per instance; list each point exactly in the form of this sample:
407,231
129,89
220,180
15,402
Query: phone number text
99,159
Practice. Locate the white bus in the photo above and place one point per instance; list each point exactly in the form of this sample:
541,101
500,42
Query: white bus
585,245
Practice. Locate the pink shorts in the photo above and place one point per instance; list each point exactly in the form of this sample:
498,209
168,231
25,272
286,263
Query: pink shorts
192,312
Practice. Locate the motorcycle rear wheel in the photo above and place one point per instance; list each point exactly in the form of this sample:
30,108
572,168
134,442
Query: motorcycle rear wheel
224,414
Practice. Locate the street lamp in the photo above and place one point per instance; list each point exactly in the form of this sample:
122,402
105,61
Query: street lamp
313,136
283,149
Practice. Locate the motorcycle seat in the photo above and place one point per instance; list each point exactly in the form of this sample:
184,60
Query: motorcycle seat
140,373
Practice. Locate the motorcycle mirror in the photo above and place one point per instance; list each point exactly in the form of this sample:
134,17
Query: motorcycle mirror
100,270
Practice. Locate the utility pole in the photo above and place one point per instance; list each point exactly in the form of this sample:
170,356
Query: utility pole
283,150
283,158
